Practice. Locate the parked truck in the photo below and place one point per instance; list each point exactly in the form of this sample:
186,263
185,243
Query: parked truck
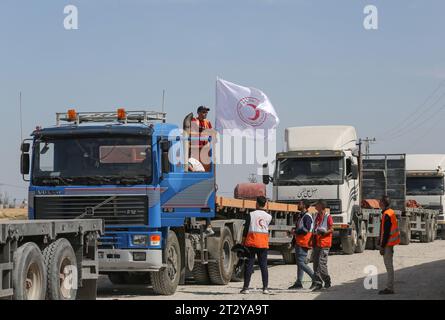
118,166
322,162
425,185
326,162
49,259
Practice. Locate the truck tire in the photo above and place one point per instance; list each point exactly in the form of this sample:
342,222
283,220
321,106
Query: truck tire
221,270
349,242
426,236
200,273
289,256
29,273
88,291
58,256
362,237
405,232
166,280
117,278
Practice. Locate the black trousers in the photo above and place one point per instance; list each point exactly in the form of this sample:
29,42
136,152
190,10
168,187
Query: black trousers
262,260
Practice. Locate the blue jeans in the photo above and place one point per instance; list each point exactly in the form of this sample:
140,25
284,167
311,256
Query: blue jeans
302,267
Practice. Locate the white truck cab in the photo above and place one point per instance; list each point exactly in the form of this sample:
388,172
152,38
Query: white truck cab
322,162
425,183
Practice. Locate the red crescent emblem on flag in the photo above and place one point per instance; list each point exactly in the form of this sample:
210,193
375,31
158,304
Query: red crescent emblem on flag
249,113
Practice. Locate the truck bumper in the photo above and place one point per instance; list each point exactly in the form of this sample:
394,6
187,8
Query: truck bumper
114,260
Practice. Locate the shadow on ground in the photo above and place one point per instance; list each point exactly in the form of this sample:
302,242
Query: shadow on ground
424,281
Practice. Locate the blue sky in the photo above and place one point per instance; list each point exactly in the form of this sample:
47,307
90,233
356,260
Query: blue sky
314,60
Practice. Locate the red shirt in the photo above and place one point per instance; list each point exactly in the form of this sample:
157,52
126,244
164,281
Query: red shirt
319,219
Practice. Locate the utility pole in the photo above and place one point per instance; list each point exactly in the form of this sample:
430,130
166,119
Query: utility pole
367,144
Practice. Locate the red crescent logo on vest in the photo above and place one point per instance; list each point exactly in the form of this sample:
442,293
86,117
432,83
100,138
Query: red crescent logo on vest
249,113
261,223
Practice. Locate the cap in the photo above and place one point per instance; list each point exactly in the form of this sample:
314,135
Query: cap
202,109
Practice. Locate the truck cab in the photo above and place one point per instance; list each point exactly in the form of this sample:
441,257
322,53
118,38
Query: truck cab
425,183
322,162
129,168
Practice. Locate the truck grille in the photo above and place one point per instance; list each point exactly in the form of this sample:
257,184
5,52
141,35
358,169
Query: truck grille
118,210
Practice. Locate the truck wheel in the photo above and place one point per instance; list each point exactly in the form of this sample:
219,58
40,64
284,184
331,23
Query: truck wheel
61,262
220,271
29,273
289,256
200,273
370,244
166,280
349,242
117,278
425,236
362,236
405,231
431,230
88,291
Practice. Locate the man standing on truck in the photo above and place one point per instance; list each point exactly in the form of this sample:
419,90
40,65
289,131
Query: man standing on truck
256,239
200,126
389,237
323,230
303,242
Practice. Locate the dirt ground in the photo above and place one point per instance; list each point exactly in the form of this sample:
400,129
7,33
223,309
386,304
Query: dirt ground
420,274
13,214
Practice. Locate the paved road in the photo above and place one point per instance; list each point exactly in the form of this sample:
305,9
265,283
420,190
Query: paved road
420,274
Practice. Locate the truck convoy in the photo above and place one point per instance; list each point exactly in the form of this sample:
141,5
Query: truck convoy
425,185
325,162
117,166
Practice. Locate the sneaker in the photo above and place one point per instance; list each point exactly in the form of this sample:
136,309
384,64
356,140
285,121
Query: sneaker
313,285
266,291
386,291
244,291
327,285
317,287
295,286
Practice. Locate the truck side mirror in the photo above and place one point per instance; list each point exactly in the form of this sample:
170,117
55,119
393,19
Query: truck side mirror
24,164
164,145
354,172
25,147
266,177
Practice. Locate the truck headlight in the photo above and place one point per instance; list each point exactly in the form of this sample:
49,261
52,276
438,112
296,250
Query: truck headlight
140,239
335,207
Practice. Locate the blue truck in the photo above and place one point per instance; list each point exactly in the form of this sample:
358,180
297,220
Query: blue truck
130,169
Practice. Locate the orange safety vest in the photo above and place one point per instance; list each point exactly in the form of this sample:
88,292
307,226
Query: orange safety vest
258,234
304,240
323,241
394,235
197,127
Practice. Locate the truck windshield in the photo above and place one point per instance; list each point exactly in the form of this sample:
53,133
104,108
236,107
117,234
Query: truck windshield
309,171
92,161
424,185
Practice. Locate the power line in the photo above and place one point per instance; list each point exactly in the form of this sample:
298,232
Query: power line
408,126
403,122
419,124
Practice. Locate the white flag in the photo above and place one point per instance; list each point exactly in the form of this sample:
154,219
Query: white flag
243,108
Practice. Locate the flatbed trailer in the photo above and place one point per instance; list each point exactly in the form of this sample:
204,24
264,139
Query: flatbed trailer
49,259
283,220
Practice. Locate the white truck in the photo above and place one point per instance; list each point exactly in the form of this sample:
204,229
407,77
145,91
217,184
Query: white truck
322,162
425,185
